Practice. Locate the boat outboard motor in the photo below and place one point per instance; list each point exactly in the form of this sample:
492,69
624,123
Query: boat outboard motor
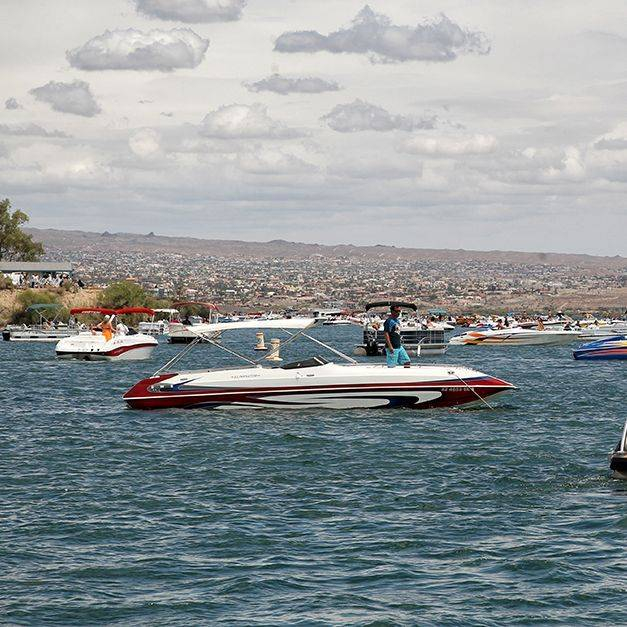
618,457
372,348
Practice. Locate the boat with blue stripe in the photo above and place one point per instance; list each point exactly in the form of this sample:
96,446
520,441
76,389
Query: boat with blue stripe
607,348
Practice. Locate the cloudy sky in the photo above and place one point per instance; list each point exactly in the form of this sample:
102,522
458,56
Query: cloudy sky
444,123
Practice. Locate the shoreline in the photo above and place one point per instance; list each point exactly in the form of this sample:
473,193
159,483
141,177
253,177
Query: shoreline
610,303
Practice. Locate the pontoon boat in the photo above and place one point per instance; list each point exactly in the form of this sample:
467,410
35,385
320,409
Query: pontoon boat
414,336
46,330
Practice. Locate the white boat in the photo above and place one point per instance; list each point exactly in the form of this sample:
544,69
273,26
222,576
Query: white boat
94,346
37,333
602,331
180,331
158,327
330,317
310,383
336,321
516,336
46,330
329,314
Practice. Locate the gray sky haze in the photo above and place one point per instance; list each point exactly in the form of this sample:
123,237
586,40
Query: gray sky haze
446,124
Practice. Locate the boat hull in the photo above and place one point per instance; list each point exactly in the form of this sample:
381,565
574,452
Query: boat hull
600,355
374,389
515,338
618,464
134,353
187,337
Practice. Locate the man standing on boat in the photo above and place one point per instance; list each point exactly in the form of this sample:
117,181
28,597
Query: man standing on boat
395,354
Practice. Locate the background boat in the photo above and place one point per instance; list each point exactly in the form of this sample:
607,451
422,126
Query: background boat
608,348
45,330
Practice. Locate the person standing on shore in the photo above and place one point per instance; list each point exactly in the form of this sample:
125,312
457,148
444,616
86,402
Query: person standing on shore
395,354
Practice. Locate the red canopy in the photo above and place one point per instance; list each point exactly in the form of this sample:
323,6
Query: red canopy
134,310
100,310
111,312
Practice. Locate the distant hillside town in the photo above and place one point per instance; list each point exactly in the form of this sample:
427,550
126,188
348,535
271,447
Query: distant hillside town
259,277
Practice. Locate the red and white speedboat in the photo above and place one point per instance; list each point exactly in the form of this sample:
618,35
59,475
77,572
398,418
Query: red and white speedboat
94,346
311,383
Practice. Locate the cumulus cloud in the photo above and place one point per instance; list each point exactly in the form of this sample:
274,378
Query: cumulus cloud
542,166
284,85
12,103
363,116
614,140
571,167
53,167
75,97
145,142
438,39
192,11
30,130
609,164
451,146
131,49
238,121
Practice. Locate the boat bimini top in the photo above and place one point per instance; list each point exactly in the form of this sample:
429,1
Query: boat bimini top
391,303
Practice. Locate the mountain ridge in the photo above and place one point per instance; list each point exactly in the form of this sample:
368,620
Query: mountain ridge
77,240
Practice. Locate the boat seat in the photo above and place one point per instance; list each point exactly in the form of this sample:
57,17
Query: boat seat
305,363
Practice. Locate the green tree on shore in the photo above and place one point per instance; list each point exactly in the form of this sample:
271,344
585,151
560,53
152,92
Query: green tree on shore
124,294
15,245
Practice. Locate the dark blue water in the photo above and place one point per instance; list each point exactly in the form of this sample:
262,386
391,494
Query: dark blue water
367,517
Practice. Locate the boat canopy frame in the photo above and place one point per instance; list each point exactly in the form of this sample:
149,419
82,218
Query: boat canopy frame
211,339
39,308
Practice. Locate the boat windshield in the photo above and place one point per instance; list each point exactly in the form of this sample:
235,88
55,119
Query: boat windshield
305,363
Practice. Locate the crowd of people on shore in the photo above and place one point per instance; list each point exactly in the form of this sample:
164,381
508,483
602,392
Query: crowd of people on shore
43,281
